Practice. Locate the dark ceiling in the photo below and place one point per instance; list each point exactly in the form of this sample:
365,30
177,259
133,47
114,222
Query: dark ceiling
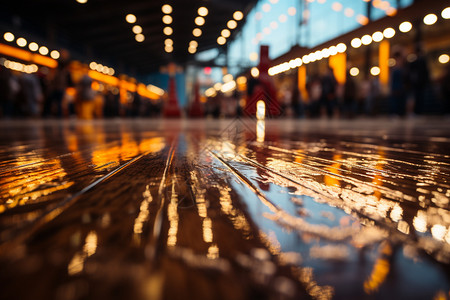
97,30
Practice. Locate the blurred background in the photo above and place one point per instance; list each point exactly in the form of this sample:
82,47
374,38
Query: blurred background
216,59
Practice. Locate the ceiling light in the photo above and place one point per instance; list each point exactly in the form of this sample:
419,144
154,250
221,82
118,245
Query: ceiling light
168,49
253,56
430,19
341,47
282,18
238,15
166,8
356,43
225,33
232,24
93,65
377,36
193,44
8,36
255,72
405,26
54,54
130,18
366,39
292,11
21,42
192,50
446,13
221,40
266,7
167,19
168,30
389,32
168,42
137,29
354,71
375,71
199,21
139,37
202,11
197,32
82,1
43,50
444,58
33,46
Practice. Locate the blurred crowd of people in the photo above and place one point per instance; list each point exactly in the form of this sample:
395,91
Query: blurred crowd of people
411,91
55,94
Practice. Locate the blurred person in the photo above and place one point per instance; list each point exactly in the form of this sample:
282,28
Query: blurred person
328,97
297,102
419,79
60,81
85,97
398,89
30,96
349,97
445,90
314,88
8,91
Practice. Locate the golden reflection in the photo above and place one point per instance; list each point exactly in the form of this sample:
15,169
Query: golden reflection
201,206
76,265
143,211
331,180
207,230
237,218
380,270
172,215
260,131
305,276
420,221
45,177
438,231
213,252
396,213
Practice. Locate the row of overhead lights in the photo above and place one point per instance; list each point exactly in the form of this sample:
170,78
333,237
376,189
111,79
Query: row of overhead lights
231,24
17,66
137,30
377,36
197,32
308,58
101,68
167,20
274,24
22,42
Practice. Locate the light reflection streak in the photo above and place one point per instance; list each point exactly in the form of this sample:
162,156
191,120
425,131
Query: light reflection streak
172,215
76,265
143,212
260,131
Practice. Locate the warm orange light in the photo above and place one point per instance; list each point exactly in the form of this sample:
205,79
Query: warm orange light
225,33
111,80
15,52
232,24
238,15
383,59
130,18
168,42
199,21
363,20
44,61
202,11
137,29
168,30
166,8
221,40
167,19
197,32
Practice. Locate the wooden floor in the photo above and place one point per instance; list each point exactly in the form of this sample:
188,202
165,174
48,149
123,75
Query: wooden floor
225,209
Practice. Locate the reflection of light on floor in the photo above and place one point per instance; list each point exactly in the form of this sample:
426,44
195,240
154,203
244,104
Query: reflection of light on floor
438,231
213,252
143,211
172,215
420,221
76,265
260,131
260,110
396,213
207,230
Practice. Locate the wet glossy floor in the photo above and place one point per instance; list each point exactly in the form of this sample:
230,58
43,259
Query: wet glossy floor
229,209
